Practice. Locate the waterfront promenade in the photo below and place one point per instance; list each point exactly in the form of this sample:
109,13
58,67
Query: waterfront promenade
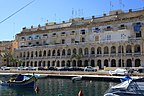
99,75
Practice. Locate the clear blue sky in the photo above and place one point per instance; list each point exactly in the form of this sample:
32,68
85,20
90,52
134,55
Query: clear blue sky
54,10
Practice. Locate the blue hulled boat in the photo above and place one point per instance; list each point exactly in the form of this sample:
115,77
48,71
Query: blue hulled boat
20,81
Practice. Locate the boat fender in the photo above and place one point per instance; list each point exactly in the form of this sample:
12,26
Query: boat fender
36,89
80,93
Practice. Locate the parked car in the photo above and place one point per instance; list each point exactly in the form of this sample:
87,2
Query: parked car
118,71
140,70
65,69
42,68
5,68
30,68
77,69
90,68
52,69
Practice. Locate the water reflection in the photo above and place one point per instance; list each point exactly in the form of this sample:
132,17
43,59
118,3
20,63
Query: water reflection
60,87
7,91
65,87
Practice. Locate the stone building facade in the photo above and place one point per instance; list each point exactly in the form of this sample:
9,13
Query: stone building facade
113,40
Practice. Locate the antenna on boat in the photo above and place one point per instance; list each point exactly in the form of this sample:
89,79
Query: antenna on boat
17,11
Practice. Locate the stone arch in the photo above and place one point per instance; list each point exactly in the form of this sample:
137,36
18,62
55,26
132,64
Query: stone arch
113,50
49,53
106,50
40,53
23,64
44,53
106,63
31,64
113,63
58,63
128,49
20,54
137,48
137,62
32,54
99,64
80,51
36,53
39,63
27,64
86,51
35,64
28,54
63,52
24,54
121,63
74,63
120,49
48,63
44,64
86,63
92,63
99,51
129,63
58,52
74,51
92,50
69,52
53,53
68,63
53,63
63,63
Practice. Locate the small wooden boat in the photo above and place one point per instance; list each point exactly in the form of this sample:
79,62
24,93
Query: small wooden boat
20,81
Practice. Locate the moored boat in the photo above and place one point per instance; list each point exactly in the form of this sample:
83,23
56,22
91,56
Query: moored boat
78,78
20,81
131,87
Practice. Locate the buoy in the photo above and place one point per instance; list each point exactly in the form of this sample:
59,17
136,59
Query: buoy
80,93
36,89
90,81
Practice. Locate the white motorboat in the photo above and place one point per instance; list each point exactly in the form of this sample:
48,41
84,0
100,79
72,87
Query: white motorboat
130,87
78,78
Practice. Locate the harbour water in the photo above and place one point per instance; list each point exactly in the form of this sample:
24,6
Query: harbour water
59,87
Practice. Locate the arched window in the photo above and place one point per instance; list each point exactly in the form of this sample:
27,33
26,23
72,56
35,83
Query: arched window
120,49
69,52
99,50
106,50
44,53
53,53
36,54
49,53
74,51
113,49
128,49
137,48
40,53
86,51
63,52
24,54
27,54
92,50
58,52
80,51
32,54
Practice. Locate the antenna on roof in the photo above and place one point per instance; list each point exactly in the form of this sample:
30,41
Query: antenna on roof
72,12
111,5
17,11
121,4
